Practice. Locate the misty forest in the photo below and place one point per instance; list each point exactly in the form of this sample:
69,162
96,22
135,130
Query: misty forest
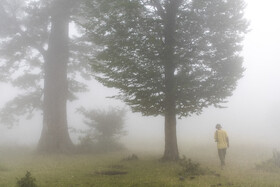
139,93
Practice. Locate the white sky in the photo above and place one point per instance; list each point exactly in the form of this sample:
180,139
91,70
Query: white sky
252,110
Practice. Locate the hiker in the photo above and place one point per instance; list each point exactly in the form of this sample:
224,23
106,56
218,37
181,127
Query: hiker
222,140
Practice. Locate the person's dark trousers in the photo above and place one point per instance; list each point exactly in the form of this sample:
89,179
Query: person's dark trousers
222,155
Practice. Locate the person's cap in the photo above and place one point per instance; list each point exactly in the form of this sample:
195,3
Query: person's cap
218,126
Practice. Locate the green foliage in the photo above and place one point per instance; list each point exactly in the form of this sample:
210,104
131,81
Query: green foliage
105,128
26,181
189,168
22,52
133,39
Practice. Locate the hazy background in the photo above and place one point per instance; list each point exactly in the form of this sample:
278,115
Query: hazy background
251,116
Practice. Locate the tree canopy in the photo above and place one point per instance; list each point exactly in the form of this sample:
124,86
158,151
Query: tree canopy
168,57
207,43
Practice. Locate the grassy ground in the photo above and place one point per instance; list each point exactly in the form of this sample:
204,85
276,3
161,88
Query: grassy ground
111,170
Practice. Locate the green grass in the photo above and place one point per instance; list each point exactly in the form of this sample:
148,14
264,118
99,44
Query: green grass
148,171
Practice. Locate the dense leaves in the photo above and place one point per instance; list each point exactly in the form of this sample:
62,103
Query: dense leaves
205,54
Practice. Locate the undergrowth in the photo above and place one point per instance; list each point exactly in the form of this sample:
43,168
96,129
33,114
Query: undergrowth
26,181
191,169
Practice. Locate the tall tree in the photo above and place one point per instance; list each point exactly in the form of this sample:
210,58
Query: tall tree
39,57
168,57
55,131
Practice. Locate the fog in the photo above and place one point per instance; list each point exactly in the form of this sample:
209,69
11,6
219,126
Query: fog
251,113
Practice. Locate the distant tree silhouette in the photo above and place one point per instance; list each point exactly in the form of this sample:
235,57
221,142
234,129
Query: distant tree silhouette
105,128
38,57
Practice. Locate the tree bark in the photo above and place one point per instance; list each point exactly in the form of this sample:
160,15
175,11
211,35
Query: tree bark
55,137
171,148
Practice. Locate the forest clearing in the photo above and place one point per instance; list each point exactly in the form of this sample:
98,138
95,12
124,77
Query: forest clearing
145,169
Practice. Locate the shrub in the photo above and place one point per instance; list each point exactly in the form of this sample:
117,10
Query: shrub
189,168
105,130
26,181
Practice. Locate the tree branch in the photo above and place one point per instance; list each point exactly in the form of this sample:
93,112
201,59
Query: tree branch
33,43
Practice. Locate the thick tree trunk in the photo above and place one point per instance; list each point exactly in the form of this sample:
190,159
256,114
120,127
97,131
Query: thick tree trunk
171,148
171,152
55,137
